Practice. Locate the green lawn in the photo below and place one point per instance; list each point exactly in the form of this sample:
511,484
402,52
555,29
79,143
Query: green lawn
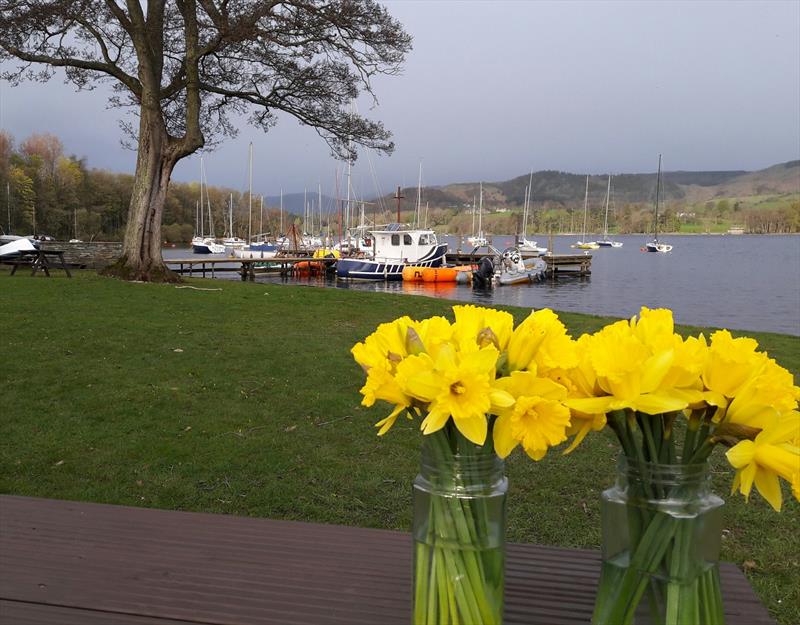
245,401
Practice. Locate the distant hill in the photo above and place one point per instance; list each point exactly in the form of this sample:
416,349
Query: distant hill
562,188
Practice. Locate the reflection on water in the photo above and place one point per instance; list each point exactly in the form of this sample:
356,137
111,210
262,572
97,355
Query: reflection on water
743,282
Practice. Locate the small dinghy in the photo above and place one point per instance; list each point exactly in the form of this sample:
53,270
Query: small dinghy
516,271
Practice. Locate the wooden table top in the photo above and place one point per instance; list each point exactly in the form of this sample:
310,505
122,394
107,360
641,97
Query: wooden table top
71,563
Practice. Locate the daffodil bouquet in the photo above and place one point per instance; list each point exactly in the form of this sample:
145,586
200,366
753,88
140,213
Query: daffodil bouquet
481,387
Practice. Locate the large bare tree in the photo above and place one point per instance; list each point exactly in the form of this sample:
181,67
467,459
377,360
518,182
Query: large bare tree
191,69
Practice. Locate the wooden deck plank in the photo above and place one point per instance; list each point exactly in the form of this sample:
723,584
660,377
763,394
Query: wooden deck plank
211,568
20,613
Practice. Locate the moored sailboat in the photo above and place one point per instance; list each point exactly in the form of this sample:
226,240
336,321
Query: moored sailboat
605,241
525,245
655,245
583,244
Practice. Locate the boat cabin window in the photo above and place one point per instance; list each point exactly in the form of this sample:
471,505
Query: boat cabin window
423,239
395,239
407,239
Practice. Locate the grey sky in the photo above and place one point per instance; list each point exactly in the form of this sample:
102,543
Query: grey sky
492,89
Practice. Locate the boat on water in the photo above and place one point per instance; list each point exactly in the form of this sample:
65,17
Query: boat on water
205,243
605,241
583,244
524,244
655,245
207,246
392,249
515,270
478,239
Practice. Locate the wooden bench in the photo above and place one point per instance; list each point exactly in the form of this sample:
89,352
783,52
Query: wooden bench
36,260
78,563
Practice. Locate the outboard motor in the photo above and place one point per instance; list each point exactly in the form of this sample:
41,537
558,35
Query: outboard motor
482,276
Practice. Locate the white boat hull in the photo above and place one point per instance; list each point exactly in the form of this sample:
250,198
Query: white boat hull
655,246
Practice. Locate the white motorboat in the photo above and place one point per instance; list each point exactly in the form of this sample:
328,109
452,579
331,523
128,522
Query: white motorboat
393,248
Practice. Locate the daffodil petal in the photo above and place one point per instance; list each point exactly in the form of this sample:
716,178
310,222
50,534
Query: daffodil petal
504,441
386,424
434,421
655,369
474,428
500,398
590,405
769,486
425,386
656,403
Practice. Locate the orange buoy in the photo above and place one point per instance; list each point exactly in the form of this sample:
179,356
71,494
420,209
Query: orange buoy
412,273
439,274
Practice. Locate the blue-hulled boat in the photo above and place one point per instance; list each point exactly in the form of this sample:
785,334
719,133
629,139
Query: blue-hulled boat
392,249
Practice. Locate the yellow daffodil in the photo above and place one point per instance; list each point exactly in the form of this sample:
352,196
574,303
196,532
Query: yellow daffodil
654,327
629,374
764,396
471,325
731,362
381,384
388,342
772,455
455,384
431,333
541,343
537,419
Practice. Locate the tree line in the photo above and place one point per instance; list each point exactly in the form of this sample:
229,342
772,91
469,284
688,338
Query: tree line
44,191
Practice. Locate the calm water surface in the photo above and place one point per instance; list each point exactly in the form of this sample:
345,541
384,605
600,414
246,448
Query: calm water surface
742,282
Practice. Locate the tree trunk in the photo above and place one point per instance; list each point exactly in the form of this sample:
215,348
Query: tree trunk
141,251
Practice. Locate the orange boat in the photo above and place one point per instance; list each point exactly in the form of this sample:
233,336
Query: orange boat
439,274
412,273
312,267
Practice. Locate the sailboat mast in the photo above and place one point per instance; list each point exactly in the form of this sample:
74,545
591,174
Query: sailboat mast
473,213
202,206
605,221
527,207
250,194
658,189
8,204
261,220
480,214
418,213
282,211
230,216
319,195
585,208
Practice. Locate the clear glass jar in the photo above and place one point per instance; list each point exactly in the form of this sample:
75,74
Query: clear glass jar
661,533
459,532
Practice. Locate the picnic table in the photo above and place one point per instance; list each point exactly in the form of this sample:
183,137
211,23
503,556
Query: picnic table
36,260
71,563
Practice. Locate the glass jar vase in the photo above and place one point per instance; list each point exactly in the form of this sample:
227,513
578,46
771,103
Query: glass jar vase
661,534
459,532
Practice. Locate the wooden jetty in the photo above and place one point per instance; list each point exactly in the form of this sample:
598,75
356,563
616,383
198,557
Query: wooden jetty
559,264
247,268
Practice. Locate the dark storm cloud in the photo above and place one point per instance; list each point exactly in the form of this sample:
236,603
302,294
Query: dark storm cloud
492,89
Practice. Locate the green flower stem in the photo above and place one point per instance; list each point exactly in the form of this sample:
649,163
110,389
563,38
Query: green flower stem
452,584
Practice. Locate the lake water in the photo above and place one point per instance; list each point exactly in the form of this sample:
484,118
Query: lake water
738,282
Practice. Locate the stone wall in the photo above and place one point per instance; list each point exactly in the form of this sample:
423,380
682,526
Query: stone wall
93,255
